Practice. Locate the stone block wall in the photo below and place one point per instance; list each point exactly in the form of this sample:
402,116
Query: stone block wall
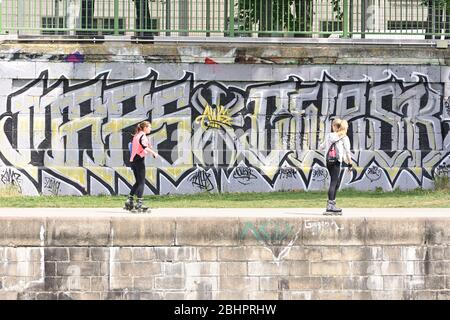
225,258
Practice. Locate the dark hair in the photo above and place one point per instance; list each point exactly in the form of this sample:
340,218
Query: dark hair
141,126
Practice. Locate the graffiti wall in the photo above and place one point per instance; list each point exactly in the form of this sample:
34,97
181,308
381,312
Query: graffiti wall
63,136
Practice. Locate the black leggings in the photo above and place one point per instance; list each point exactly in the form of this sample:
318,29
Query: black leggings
138,167
335,170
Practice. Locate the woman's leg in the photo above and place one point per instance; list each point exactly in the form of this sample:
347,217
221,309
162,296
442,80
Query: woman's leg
140,169
129,204
334,170
140,179
136,183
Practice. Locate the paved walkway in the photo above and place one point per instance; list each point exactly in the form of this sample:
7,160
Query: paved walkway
224,212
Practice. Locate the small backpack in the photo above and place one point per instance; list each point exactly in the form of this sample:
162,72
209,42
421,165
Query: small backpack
332,153
130,144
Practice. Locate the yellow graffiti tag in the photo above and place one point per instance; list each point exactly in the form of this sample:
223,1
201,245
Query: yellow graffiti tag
214,118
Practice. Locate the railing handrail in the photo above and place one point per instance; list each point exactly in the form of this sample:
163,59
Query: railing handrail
235,19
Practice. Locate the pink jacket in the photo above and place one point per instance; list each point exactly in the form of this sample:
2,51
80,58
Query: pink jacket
136,147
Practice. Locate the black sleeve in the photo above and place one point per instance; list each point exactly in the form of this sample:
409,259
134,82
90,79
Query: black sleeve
140,141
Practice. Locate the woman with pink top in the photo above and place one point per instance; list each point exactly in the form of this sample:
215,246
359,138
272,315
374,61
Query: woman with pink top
140,148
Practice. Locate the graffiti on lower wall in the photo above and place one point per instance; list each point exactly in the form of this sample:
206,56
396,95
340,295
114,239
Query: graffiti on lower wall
71,138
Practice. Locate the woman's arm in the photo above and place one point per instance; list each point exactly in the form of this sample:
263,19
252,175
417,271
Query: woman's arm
324,143
322,146
347,152
150,150
147,146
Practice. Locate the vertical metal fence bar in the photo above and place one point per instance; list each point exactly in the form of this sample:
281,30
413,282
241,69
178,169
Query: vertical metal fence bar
49,23
441,19
345,20
380,18
64,10
126,16
202,14
395,9
254,17
214,16
390,13
433,19
310,23
28,18
208,17
406,14
288,13
421,18
446,23
377,17
363,19
145,16
327,20
19,22
1,17
225,16
213,25
8,15
265,17
277,14
417,18
231,18
3,21
116,17
350,22
191,11
167,13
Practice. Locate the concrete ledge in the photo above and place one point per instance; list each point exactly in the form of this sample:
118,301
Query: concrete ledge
141,230
231,227
78,231
22,231
290,53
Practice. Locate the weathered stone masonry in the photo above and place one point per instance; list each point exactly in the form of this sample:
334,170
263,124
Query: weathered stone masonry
224,258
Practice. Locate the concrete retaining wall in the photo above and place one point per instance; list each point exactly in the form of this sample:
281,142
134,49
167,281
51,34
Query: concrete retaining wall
225,118
144,257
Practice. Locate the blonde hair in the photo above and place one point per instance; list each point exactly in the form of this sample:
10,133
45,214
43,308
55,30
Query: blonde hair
341,127
141,126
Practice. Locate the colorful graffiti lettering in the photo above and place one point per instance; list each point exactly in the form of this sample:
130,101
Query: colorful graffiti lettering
214,137
287,173
202,180
443,170
447,106
52,185
373,173
10,178
317,227
320,174
244,175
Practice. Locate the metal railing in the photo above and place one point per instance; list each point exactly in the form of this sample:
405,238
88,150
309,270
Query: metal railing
415,19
